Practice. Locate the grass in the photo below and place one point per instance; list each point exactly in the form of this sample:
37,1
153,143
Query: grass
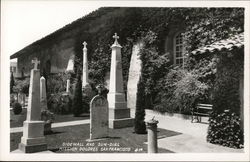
17,120
77,135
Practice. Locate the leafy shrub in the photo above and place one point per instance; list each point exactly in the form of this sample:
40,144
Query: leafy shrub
57,83
140,126
17,108
179,91
226,88
224,129
60,103
12,99
12,82
22,86
188,91
77,100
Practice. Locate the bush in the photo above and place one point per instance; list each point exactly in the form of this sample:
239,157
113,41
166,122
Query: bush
57,83
13,99
17,108
226,87
22,86
188,91
60,103
140,126
77,100
179,91
12,82
224,129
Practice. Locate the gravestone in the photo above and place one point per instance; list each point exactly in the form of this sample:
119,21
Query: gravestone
43,98
133,76
99,116
33,139
119,114
68,86
44,108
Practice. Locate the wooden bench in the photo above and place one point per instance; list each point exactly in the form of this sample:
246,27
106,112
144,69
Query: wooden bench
201,110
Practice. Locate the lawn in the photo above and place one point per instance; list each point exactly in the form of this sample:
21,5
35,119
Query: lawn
73,139
17,120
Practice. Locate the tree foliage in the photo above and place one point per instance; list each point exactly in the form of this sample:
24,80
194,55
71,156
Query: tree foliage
12,82
22,86
140,126
207,25
77,100
224,129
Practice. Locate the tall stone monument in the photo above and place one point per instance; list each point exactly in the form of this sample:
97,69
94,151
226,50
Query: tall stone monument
33,139
99,116
119,114
85,72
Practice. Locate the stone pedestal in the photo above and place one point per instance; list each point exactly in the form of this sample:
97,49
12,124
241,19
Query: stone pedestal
119,114
33,139
152,136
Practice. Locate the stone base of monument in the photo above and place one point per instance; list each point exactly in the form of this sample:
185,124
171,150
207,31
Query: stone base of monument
121,123
120,118
32,148
33,139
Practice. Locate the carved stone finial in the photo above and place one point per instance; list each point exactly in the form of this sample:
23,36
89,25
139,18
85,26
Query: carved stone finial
85,45
116,37
35,62
100,88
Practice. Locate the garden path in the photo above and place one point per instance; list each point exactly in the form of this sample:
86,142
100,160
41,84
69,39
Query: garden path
192,138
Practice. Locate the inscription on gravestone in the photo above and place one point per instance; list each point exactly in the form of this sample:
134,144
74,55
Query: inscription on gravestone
99,116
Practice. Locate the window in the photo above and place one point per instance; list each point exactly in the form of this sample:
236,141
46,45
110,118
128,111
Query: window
179,50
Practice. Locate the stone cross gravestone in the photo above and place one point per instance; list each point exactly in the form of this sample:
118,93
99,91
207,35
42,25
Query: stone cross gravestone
99,116
33,139
85,73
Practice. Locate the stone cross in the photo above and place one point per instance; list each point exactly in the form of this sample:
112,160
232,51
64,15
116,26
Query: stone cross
35,62
116,37
84,44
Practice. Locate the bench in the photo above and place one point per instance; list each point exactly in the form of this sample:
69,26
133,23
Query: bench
201,110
